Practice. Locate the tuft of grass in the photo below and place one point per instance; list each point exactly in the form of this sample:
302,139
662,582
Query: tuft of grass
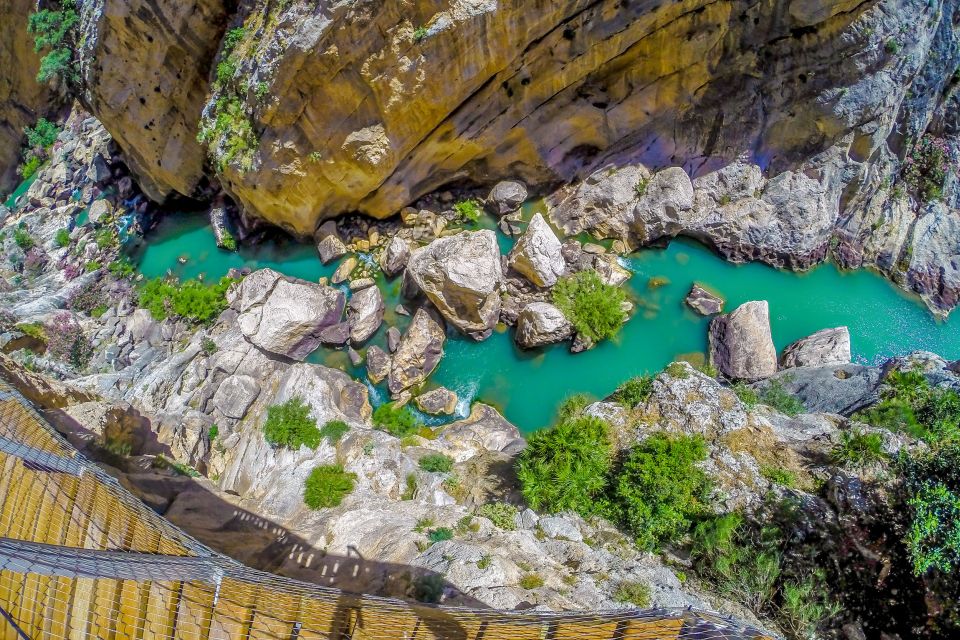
634,391
410,487
327,486
531,581
501,514
635,593
420,34
779,475
748,397
592,307
440,534
468,210
334,430
777,397
23,239
858,449
62,238
397,421
677,370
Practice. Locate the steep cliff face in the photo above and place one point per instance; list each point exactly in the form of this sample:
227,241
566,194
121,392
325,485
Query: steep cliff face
22,98
145,66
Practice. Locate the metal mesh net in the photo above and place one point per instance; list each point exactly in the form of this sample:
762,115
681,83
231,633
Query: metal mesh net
80,557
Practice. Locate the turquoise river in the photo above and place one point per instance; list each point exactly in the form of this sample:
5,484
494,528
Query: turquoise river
528,386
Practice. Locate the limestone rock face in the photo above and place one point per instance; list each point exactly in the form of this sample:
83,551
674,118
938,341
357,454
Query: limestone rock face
419,353
703,302
235,395
462,277
741,346
22,98
828,346
537,254
284,315
145,67
540,324
365,312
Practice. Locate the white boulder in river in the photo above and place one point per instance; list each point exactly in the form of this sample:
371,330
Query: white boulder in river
537,254
827,346
285,315
462,277
741,347
540,324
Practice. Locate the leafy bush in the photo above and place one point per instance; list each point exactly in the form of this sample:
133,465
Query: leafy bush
232,38
501,514
634,391
468,210
289,425
229,134
42,135
397,421
226,70
428,588
55,32
858,448
436,463
334,430
635,593
911,405
62,239
420,34
30,166
191,300
931,486
213,432
208,346
775,396
67,342
594,308
23,239
327,486
659,489
227,241
565,467
440,534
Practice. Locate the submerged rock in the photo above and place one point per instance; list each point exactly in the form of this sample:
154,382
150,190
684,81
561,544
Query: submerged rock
285,315
462,277
703,302
540,324
419,352
827,346
365,312
537,254
438,401
741,346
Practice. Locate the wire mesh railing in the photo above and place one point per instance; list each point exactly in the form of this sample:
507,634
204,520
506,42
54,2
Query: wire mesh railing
80,557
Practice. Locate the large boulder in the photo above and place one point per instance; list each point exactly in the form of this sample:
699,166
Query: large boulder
419,352
462,277
827,346
395,256
437,401
286,316
741,346
507,196
537,254
841,389
540,324
365,313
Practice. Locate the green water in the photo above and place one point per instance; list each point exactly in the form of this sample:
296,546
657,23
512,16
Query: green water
527,386
19,191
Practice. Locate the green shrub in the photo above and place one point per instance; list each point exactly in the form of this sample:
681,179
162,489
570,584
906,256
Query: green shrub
42,135
572,406
428,588
931,486
468,210
565,467
191,300
23,239
327,486
213,432
891,46
501,514
98,311
227,241
911,405
226,70
208,346
806,605
635,593
436,463
634,391
30,166
334,430
659,489
92,265
778,475
594,308
858,448
774,395
440,534
232,38
484,562
229,134
420,34
121,268
397,421
925,170
106,238
33,329
531,581
62,239
55,32
289,425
